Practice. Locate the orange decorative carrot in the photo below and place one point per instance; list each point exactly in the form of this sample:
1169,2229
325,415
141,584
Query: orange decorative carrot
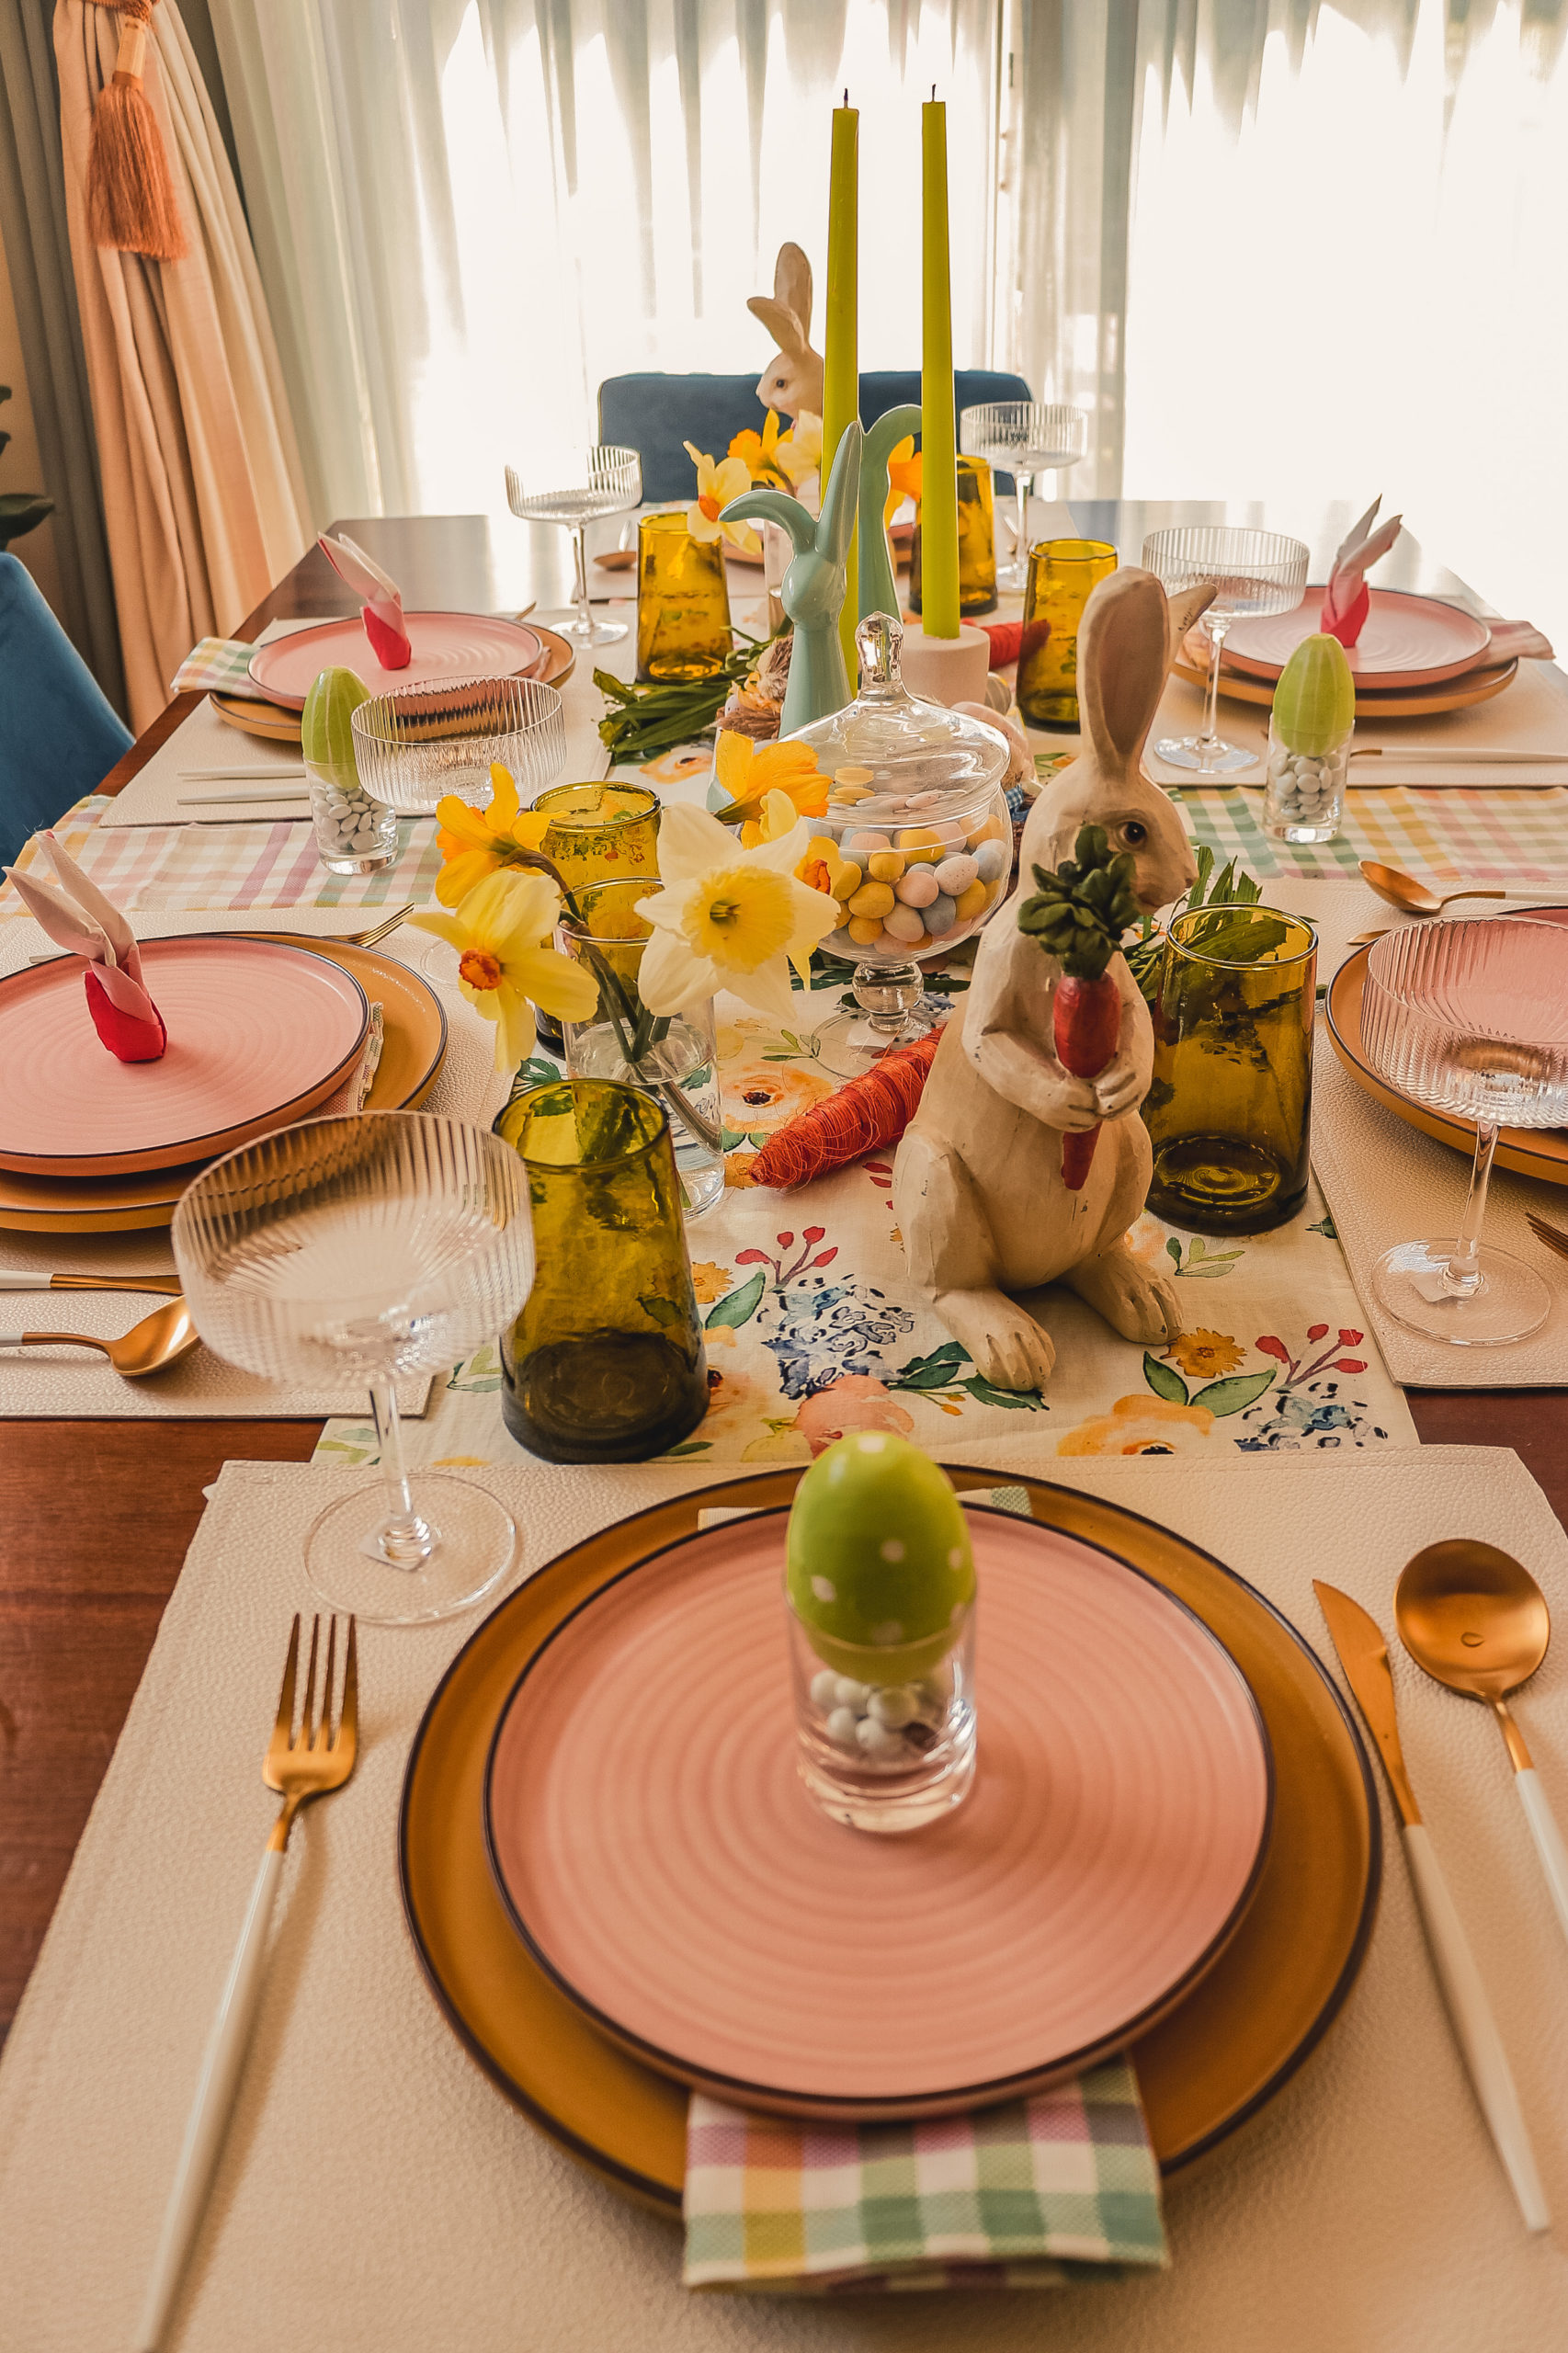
1078,915
870,1112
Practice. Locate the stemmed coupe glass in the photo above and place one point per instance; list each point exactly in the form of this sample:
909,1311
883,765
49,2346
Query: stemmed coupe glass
1470,1018
575,491
1251,572
1023,438
383,1245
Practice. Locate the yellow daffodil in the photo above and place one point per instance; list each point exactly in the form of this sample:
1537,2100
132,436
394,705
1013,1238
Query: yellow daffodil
728,917
799,452
716,485
748,772
780,816
474,842
904,477
823,868
500,931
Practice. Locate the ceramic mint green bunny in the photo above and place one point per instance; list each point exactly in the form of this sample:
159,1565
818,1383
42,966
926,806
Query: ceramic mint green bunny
814,586
878,583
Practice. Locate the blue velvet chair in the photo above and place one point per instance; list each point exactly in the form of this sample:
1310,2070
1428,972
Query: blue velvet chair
58,736
655,414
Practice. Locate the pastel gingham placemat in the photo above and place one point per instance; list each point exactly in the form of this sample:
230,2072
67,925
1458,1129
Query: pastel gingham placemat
1014,2197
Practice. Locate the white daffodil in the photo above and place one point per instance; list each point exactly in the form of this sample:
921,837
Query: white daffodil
502,931
728,917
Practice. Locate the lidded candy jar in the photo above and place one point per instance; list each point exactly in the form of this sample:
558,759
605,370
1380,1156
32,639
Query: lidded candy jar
916,843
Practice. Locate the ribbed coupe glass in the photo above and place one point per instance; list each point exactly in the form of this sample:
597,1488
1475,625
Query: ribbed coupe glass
574,490
416,744
1023,438
387,1243
1250,573
1471,1019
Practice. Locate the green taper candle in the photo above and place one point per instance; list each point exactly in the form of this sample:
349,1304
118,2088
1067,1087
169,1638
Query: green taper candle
938,445
841,339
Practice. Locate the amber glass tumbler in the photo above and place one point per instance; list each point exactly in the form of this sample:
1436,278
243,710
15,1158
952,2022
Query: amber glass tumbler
1229,1110
1064,575
601,832
977,542
606,1362
683,601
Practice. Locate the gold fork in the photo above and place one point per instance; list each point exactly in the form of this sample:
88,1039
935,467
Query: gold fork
371,935
1553,1236
300,1766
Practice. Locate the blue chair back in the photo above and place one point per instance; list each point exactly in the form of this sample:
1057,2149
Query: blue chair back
58,737
655,414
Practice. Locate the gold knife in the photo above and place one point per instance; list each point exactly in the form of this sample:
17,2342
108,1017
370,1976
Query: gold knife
1364,1655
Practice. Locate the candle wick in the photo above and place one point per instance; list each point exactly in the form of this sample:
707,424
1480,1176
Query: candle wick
846,98
933,94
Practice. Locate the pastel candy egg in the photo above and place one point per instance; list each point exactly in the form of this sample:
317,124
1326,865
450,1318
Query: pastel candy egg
990,862
865,930
918,888
903,923
972,902
940,915
877,1557
919,838
895,1705
955,875
850,1694
872,899
861,845
884,866
852,774
825,1689
877,1740
841,1726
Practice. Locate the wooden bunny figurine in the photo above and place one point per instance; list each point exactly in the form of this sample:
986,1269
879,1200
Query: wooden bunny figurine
793,380
977,1188
814,586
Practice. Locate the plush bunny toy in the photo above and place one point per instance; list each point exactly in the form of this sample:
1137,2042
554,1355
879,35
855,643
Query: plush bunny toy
792,381
977,1184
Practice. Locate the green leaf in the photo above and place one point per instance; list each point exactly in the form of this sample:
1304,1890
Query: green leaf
731,1139
739,1306
937,1371
690,1445
21,511
1230,1396
662,1311
1165,1380
1025,1401
1173,1250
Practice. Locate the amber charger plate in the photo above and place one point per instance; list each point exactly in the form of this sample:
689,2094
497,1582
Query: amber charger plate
1210,2063
1417,702
267,719
414,1046
1529,1152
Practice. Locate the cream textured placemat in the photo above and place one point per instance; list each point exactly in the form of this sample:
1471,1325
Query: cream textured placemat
77,1383
1340,908
378,2195
155,793
1384,1183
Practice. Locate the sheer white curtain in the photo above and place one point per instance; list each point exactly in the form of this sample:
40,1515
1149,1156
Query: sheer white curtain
468,212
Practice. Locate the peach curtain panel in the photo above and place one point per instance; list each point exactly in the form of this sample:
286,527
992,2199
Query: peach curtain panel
203,494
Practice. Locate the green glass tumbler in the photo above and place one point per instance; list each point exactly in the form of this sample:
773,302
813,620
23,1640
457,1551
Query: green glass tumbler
683,602
605,1364
1229,1108
1064,575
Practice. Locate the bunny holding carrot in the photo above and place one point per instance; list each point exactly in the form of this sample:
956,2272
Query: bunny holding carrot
997,1185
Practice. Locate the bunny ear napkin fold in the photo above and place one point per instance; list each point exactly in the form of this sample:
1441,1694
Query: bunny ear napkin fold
1348,599
79,917
381,610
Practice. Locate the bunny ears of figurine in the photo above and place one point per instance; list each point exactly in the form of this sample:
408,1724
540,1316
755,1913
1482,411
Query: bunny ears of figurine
792,379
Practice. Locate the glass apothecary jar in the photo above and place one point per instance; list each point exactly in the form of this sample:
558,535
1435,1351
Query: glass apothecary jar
916,843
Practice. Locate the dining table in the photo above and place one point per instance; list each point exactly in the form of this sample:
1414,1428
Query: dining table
87,1567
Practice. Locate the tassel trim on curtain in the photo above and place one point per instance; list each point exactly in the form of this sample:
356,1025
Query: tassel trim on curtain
130,197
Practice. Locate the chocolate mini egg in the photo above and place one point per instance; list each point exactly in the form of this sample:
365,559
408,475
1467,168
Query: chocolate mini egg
918,888
941,914
990,862
877,1557
955,874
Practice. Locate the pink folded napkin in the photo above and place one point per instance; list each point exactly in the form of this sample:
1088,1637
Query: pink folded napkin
78,917
381,611
1347,599
1517,641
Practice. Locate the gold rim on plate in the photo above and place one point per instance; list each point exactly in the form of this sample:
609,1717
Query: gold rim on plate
1541,1152
1203,2070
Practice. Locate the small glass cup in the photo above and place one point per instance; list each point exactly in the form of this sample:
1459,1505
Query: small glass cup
674,1058
601,832
977,542
1229,1108
887,1742
1303,797
1064,575
683,602
354,834
606,1363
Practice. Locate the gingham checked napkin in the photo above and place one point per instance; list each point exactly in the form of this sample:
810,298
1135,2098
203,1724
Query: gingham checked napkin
1014,2197
221,662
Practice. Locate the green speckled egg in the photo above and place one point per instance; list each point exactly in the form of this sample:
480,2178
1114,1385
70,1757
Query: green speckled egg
326,738
878,1556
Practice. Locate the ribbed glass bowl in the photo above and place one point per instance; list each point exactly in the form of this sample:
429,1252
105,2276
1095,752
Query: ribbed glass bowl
415,744
1471,1018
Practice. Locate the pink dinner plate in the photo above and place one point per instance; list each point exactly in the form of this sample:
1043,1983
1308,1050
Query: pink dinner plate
1405,640
446,646
260,1033
653,1841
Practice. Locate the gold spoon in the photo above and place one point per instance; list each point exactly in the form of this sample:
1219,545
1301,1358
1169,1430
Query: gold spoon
1404,891
152,1345
1474,1619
